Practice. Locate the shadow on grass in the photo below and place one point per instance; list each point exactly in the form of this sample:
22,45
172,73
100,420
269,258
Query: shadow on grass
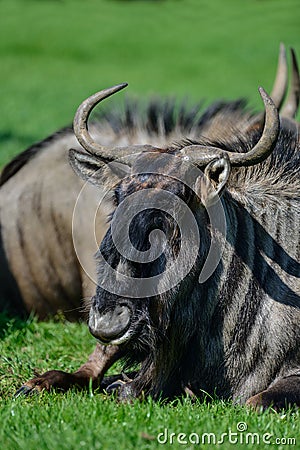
8,323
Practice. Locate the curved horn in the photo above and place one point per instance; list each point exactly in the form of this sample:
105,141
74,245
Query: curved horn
281,80
202,155
81,117
291,106
85,139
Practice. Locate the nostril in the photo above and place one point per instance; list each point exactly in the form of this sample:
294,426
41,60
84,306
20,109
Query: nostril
110,325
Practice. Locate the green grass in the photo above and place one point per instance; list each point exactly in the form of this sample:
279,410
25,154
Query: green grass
92,420
55,53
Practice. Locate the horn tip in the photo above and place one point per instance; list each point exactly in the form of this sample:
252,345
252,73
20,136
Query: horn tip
282,48
117,88
264,95
123,85
262,92
282,53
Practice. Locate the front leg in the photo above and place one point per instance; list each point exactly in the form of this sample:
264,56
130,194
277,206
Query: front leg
94,369
285,392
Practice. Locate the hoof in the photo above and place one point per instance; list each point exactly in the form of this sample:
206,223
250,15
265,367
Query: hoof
26,391
115,387
124,391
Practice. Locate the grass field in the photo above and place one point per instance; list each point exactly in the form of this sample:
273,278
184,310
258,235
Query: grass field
92,421
55,53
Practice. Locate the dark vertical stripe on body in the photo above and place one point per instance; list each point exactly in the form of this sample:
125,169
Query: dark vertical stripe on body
37,200
247,316
59,233
226,296
248,294
263,244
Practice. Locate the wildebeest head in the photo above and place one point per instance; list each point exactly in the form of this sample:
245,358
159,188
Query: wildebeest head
159,237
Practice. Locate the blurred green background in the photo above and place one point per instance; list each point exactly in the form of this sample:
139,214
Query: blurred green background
54,53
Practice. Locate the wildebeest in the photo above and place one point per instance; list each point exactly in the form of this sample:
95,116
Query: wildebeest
236,334
40,271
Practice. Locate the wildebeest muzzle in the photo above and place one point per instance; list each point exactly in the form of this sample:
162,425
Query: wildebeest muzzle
111,324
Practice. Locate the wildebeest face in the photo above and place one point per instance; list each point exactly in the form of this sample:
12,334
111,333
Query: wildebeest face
151,248
158,238
139,255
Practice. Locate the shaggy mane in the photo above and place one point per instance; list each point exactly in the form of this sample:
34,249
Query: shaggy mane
154,117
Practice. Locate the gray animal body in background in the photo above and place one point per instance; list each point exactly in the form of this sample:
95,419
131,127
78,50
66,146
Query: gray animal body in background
237,334
40,272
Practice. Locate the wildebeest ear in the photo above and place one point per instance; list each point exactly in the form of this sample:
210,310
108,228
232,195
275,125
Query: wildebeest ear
90,167
216,174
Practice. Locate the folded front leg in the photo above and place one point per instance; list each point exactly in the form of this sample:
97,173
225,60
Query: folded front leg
93,371
285,392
